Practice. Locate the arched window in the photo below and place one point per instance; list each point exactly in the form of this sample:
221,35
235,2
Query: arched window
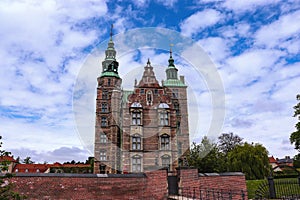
165,142
136,163
136,141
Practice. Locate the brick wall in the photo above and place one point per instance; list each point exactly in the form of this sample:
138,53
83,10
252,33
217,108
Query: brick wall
152,185
228,182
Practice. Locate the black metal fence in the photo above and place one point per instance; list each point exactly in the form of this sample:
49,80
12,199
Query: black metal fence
279,189
197,193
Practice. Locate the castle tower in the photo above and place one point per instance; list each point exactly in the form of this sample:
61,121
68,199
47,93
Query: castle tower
140,130
108,102
178,92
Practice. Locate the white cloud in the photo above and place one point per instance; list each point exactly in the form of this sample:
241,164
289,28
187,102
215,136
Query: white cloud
240,6
167,3
287,27
200,20
216,47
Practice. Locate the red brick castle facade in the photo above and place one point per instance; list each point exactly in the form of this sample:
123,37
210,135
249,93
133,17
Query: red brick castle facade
140,130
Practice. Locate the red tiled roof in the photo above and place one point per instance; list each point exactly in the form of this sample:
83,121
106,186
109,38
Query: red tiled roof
31,168
272,160
7,158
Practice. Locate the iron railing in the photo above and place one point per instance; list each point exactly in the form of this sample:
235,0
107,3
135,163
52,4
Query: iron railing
197,193
279,189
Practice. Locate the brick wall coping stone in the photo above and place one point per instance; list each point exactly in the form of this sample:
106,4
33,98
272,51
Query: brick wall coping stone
222,174
136,175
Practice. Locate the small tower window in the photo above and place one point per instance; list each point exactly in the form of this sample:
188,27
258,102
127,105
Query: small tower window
176,107
136,164
103,121
179,148
165,142
102,155
104,94
104,107
175,93
103,138
136,142
108,82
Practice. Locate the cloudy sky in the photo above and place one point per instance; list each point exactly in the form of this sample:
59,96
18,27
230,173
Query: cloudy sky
254,45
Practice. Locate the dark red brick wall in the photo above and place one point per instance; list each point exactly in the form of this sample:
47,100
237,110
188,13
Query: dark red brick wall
234,182
152,185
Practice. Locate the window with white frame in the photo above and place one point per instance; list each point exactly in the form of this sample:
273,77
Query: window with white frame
102,155
136,118
164,118
136,142
103,138
136,164
165,142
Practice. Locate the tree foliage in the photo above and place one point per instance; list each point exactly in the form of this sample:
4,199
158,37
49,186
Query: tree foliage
230,154
295,136
206,157
28,160
6,187
228,141
251,159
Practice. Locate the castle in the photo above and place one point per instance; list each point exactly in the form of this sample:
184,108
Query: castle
140,130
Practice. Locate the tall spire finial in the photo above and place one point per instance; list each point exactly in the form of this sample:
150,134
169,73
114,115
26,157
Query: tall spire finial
111,31
171,50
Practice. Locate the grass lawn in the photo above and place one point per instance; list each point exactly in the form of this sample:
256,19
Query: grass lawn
252,186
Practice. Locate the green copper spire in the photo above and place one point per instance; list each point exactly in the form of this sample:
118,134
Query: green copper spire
172,77
110,64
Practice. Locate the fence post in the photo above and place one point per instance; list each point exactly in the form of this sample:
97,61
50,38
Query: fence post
272,191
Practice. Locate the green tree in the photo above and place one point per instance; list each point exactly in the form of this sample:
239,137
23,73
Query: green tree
251,159
28,160
206,157
295,136
228,141
6,187
296,161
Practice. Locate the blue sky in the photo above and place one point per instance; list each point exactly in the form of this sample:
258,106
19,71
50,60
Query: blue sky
255,45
